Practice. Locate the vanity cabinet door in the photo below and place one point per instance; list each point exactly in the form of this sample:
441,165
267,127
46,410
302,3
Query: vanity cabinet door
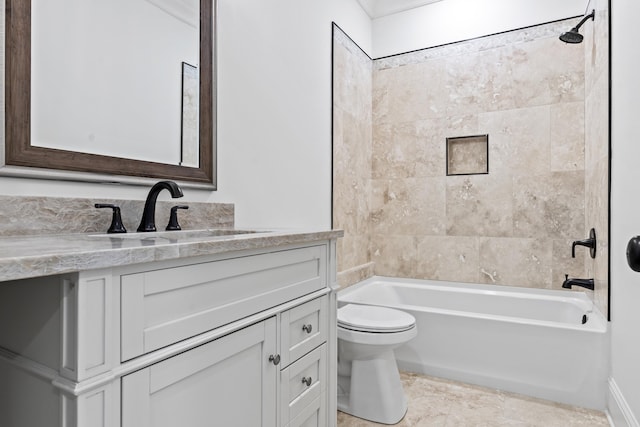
226,382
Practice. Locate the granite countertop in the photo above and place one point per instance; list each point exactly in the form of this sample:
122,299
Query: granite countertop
42,255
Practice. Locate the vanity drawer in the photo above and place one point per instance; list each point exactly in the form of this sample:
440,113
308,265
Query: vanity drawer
161,307
314,415
302,383
303,328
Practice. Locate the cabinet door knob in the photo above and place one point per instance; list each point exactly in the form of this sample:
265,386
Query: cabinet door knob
307,328
307,381
274,359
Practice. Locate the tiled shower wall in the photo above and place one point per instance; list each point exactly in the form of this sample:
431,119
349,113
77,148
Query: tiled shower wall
596,45
352,70
512,226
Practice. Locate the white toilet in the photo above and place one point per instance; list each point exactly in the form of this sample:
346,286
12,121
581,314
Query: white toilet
369,384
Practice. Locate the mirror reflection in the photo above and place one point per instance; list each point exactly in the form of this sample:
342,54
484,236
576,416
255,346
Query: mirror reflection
116,78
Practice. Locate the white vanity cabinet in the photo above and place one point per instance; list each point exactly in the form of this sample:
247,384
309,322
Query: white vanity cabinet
243,338
226,382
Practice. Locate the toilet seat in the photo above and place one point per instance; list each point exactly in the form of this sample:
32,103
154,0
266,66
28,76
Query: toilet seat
373,319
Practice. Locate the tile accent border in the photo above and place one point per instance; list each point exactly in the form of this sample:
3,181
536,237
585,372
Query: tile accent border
355,275
507,38
341,38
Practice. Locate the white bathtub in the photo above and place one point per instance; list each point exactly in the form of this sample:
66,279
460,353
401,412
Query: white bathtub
528,341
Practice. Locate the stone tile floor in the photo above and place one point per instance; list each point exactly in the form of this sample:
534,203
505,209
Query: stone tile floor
434,402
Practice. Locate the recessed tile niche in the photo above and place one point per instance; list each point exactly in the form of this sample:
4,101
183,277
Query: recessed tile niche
468,155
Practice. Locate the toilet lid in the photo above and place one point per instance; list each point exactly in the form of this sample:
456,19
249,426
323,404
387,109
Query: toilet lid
369,318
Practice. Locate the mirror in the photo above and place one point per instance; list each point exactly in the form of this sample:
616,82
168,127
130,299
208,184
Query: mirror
161,122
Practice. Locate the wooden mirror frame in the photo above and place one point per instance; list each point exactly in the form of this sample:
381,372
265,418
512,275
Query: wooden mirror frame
18,148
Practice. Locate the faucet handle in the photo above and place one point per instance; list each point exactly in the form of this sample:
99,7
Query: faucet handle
173,218
589,243
116,221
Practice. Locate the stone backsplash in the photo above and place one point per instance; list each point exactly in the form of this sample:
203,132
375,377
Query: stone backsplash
55,215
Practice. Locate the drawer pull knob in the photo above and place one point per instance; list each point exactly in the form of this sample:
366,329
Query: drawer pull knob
307,381
307,328
274,359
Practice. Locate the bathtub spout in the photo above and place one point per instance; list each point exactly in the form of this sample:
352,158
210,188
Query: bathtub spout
585,283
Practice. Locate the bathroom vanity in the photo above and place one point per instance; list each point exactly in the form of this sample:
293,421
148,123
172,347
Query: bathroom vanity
159,329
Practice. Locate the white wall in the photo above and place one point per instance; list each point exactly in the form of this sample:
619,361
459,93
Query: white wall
455,20
274,107
625,206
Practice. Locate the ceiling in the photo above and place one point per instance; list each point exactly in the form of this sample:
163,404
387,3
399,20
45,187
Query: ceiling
379,8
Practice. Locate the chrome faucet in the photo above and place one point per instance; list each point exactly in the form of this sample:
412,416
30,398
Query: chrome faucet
585,283
148,221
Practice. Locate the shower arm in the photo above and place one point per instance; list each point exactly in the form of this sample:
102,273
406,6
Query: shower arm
592,15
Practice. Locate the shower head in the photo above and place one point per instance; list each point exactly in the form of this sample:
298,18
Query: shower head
573,36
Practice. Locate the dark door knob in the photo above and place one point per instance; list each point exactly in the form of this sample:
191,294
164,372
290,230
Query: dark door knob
633,253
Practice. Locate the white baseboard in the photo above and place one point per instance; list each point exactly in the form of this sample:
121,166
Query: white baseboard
619,412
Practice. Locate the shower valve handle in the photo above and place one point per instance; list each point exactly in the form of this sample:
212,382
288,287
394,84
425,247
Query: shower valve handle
589,243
